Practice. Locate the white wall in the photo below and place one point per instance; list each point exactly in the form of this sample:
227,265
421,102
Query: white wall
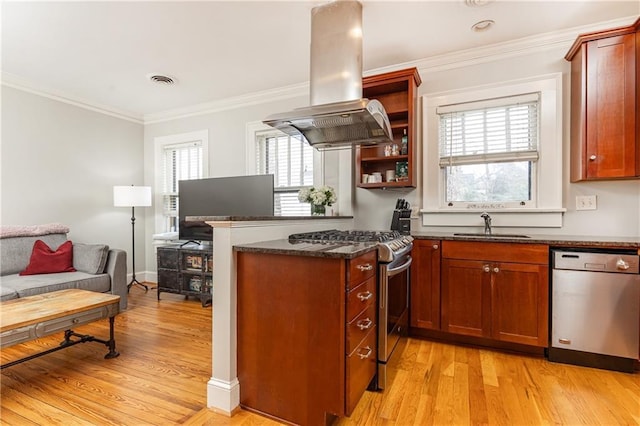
59,163
618,201
227,134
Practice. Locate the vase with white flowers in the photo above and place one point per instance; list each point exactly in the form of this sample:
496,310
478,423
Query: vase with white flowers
319,198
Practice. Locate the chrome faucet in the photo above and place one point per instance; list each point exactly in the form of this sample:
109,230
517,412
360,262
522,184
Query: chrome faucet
487,223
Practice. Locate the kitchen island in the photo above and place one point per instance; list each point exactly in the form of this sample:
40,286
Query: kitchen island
306,328
223,389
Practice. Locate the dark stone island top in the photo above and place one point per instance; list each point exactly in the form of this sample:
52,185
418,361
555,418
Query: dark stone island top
340,250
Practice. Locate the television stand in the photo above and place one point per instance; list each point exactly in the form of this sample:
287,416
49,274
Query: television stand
191,241
186,270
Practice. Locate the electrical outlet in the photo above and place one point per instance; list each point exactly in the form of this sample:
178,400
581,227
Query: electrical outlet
586,202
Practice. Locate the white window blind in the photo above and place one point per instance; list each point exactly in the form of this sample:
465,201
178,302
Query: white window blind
290,160
490,131
182,161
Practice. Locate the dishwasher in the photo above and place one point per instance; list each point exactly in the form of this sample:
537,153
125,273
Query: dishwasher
595,308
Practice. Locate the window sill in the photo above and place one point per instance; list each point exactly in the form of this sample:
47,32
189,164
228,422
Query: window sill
542,218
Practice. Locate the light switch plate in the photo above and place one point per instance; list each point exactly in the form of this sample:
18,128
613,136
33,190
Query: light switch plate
586,202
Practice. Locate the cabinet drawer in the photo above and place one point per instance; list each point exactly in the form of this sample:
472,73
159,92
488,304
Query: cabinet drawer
360,326
360,297
496,252
168,279
167,258
361,268
361,367
71,321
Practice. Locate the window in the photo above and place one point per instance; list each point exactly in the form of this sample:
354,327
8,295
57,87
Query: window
488,152
494,148
178,157
290,160
181,162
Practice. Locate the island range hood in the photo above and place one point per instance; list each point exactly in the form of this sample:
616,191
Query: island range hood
338,116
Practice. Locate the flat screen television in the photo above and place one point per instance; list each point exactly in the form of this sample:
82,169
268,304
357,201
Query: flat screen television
225,196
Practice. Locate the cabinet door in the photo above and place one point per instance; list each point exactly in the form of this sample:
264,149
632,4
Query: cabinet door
425,284
611,150
466,299
519,302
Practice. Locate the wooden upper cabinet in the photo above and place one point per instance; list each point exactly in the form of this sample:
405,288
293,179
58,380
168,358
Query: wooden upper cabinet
605,95
398,92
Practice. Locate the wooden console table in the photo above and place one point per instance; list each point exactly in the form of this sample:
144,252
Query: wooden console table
29,318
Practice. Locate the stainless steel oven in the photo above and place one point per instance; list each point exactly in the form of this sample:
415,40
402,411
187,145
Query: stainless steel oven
394,260
393,308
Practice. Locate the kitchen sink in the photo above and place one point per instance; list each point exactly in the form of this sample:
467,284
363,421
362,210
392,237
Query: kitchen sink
483,235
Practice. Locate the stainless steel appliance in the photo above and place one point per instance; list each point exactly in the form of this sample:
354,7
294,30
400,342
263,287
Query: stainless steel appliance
595,308
338,116
394,262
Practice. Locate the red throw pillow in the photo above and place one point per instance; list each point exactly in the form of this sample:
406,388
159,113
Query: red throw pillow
46,261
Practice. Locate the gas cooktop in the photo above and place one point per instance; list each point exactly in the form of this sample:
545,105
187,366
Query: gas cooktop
391,244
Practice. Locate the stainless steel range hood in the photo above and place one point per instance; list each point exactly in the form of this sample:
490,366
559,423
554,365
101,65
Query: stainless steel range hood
338,116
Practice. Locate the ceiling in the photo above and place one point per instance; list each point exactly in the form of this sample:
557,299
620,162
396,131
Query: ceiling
102,53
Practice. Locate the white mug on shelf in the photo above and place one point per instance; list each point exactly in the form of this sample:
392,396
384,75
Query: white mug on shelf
390,175
365,178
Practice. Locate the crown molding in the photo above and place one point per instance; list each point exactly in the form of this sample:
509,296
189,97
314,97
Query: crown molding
463,58
19,83
513,48
448,61
281,93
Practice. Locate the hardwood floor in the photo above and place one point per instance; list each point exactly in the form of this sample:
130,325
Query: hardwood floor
160,379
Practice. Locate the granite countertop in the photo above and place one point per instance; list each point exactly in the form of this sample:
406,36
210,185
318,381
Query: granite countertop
351,250
552,240
258,218
339,250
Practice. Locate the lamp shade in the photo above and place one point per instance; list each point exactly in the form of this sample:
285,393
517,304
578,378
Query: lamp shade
131,196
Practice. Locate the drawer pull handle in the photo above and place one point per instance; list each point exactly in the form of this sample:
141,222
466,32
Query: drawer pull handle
365,267
496,269
486,268
364,296
592,158
366,354
364,324
435,247
75,320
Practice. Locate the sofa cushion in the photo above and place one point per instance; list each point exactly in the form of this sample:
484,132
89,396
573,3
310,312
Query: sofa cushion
28,285
7,293
90,258
15,252
46,261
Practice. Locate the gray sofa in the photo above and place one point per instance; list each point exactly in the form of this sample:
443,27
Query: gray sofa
93,271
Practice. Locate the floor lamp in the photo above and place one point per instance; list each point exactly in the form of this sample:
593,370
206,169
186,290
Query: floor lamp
132,196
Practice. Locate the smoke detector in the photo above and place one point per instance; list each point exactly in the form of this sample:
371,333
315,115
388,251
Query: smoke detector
161,79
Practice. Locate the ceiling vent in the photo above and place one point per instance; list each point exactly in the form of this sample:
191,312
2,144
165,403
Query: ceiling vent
161,79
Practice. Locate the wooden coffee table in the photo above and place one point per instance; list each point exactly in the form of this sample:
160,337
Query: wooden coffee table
32,317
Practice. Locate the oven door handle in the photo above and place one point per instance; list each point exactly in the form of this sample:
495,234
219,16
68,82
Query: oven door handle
395,271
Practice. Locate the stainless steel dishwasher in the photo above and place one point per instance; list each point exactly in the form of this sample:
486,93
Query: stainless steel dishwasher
595,308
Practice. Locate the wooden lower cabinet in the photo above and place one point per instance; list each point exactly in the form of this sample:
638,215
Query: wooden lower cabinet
496,290
425,285
306,334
